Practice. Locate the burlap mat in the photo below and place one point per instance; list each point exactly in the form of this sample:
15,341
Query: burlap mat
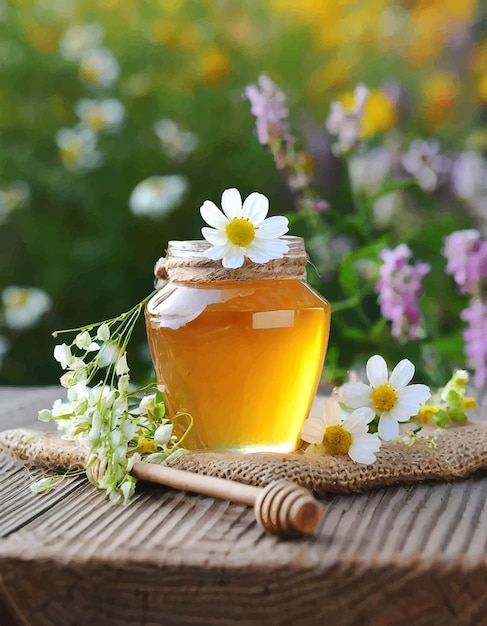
449,453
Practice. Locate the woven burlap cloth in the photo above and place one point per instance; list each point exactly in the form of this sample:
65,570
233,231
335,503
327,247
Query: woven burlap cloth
446,454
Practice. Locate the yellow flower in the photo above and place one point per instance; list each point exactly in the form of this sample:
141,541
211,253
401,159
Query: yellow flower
469,403
440,92
43,38
214,66
379,115
482,88
425,413
146,445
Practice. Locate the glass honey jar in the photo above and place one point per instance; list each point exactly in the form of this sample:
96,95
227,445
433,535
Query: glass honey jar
241,350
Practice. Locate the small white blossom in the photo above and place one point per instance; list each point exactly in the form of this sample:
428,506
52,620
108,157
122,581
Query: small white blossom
99,67
390,397
103,332
83,342
79,39
44,415
243,230
424,161
13,197
163,434
23,307
122,366
176,143
157,196
77,147
106,115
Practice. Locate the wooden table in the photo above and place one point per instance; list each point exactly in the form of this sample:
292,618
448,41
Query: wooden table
407,555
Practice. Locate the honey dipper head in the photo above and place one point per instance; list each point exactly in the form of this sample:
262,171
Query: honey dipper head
288,510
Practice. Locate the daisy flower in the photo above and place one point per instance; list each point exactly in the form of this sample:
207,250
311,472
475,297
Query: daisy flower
335,436
243,230
157,196
390,397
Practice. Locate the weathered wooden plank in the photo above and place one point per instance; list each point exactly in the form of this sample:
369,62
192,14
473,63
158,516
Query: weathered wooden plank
397,556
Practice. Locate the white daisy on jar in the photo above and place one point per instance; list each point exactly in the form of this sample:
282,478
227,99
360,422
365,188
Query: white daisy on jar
23,307
106,115
243,230
392,398
338,435
157,196
176,143
99,67
77,147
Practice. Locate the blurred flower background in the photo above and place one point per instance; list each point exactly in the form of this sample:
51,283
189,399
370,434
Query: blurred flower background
363,120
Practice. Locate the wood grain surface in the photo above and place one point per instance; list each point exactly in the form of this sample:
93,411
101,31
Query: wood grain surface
397,556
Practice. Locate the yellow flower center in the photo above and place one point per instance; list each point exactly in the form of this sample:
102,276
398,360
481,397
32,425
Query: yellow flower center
70,151
96,119
240,231
384,397
337,440
90,72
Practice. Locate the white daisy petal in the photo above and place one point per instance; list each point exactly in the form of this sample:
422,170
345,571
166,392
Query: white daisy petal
255,208
313,431
232,203
331,412
402,374
216,253
402,412
233,259
275,247
258,256
273,227
414,393
365,413
216,237
355,424
377,371
388,427
212,215
356,395
363,449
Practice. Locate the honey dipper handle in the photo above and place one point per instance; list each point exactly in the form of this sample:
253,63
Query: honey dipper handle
197,483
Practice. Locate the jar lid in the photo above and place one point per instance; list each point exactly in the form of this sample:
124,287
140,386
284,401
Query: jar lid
185,262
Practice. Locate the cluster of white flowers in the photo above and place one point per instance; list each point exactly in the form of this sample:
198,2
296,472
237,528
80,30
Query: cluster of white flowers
99,69
116,423
387,406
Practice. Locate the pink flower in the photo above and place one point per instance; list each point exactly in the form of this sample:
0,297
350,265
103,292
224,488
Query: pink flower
399,288
268,104
466,254
475,336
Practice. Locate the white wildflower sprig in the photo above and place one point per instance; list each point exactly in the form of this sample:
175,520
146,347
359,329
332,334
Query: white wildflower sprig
115,422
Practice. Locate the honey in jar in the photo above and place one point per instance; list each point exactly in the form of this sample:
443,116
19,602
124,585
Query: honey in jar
240,350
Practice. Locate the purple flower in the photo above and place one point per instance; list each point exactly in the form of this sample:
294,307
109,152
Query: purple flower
475,337
399,288
466,254
346,124
268,104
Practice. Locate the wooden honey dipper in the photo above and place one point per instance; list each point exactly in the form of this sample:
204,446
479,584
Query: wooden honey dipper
282,508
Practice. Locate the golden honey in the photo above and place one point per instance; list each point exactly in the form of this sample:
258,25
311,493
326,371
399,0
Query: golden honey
243,357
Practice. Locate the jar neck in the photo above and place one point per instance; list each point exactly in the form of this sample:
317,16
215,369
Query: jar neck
185,262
